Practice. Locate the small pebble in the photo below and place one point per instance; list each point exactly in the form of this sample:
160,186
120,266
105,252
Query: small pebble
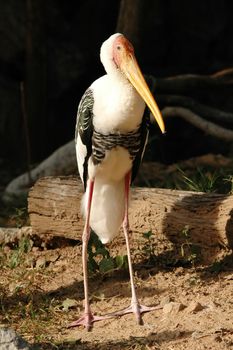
179,271
173,307
6,249
194,307
35,249
212,305
165,300
41,262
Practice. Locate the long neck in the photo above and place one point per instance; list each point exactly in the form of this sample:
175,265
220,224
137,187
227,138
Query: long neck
118,106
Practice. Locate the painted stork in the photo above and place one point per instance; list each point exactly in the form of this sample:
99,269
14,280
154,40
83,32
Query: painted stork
111,134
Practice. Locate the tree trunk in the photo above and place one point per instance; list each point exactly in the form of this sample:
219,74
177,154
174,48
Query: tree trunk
54,209
36,78
130,20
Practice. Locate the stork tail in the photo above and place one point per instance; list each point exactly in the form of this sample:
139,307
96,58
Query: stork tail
107,208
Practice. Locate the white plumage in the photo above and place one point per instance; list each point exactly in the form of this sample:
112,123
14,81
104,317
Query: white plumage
111,134
121,111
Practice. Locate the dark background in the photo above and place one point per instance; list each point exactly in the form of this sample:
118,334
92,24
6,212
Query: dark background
51,49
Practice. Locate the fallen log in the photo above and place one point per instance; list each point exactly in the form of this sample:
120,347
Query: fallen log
171,94
54,209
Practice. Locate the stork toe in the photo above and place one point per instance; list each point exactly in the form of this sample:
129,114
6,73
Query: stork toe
87,320
137,309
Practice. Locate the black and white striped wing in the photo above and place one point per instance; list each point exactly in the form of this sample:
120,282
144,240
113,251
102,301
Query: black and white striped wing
144,131
83,134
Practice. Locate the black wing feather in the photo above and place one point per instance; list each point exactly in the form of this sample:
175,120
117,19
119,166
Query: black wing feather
144,129
84,128
144,136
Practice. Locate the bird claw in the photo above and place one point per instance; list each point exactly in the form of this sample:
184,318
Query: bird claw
87,320
137,309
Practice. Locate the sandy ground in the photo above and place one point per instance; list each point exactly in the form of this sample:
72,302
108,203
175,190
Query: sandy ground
41,292
44,294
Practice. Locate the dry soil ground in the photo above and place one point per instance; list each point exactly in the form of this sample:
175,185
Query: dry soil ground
41,292
44,293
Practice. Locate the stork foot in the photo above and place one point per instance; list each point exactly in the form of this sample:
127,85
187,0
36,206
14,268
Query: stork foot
137,309
87,320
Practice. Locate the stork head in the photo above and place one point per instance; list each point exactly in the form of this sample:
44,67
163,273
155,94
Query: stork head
117,57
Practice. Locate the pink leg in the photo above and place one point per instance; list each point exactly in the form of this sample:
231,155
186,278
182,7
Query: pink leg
88,318
135,306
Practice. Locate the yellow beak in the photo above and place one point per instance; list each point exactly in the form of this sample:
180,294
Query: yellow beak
130,68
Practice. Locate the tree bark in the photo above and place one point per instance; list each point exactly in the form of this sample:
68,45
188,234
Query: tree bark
36,77
200,123
130,20
54,209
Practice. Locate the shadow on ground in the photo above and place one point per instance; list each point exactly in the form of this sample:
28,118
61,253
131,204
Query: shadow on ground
153,341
